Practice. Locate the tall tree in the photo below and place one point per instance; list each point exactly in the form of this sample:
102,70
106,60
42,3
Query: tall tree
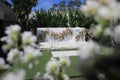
22,9
70,4
62,5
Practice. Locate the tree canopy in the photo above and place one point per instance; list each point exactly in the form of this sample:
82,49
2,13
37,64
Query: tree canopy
22,8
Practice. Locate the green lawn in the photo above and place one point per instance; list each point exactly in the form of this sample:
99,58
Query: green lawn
71,71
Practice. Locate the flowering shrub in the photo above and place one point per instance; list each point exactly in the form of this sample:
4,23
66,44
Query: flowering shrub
55,69
21,48
99,61
23,51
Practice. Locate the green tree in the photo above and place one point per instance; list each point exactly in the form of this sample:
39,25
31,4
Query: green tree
57,16
22,9
70,4
62,5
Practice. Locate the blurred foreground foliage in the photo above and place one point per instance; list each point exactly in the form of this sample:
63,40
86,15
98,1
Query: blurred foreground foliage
102,63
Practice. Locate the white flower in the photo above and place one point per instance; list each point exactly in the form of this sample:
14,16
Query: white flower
52,66
8,40
108,32
19,75
48,77
97,30
90,8
65,77
30,53
106,2
103,9
87,49
2,64
104,13
6,47
38,75
115,9
13,28
116,34
64,61
12,55
36,62
28,38
30,65
13,32
109,10
4,38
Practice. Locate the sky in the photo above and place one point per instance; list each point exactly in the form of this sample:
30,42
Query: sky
45,4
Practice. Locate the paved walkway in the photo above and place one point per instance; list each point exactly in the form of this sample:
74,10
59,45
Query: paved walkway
64,53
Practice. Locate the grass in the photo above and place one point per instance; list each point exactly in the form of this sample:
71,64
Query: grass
40,67
71,71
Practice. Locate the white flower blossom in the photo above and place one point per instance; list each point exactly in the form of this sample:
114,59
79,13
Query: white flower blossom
12,55
36,62
104,13
30,53
106,2
108,32
19,75
2,64
12,32
52,66
102,9
64,61
30,65
116,33
28,38
97,30
87,49
90,8
65,77
4,38
12,36
110,10
7,40
115,9
6,47
47,76
24,52
12,29
38,76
